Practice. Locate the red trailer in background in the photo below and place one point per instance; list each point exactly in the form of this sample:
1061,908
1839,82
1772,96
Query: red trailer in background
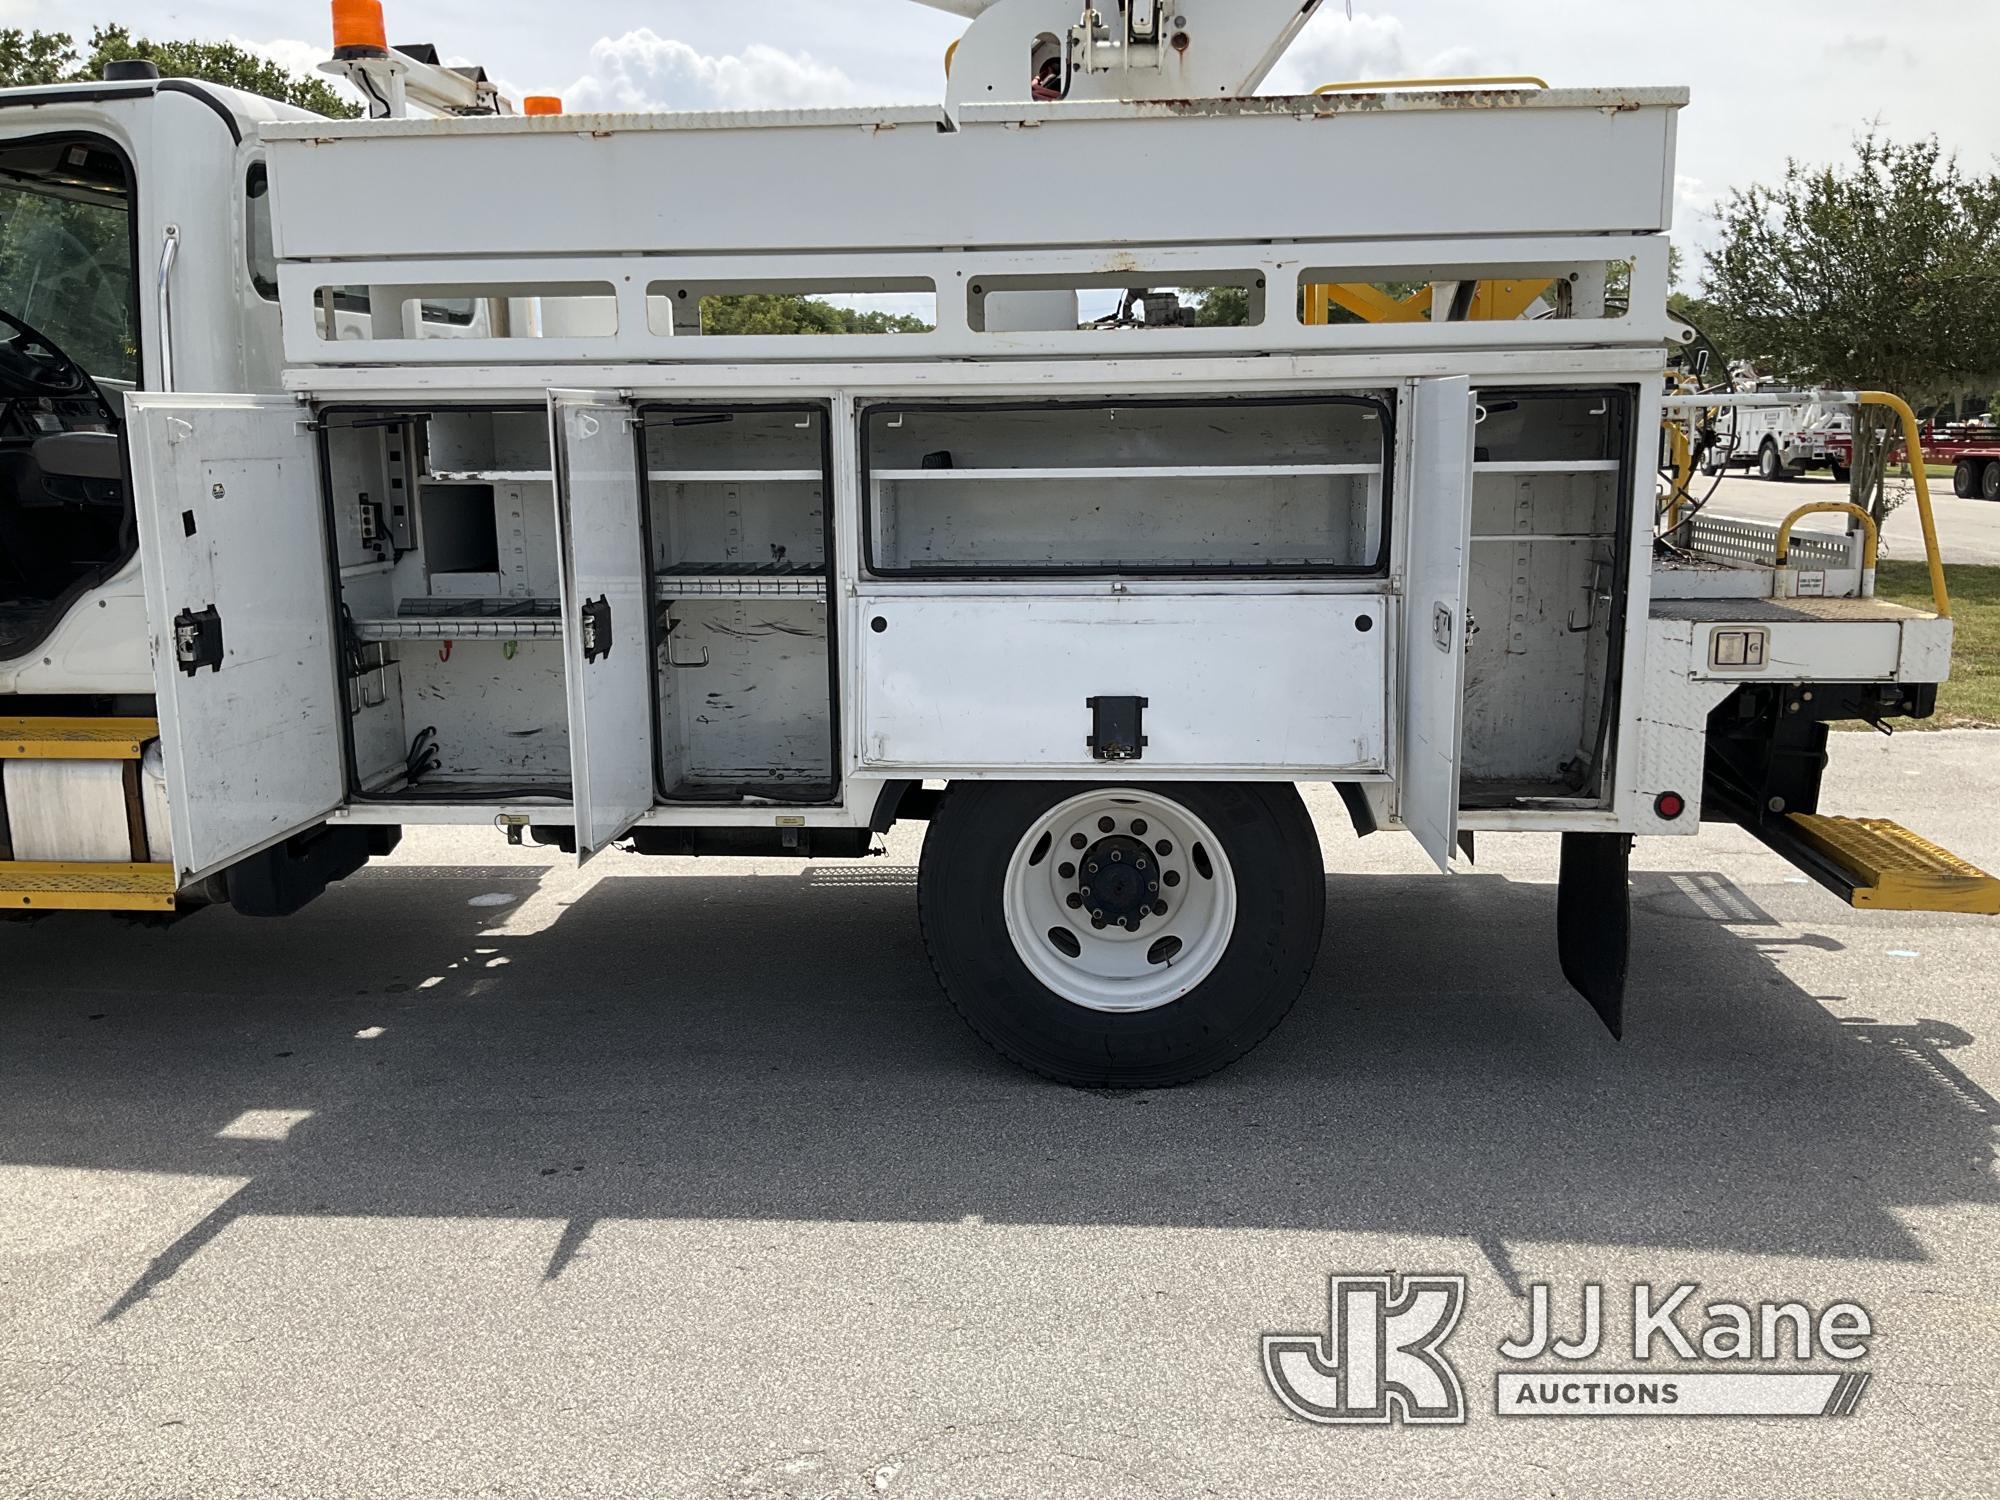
1973,451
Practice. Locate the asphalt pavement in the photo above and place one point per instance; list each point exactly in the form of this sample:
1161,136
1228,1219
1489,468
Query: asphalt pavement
486,1176
1968,530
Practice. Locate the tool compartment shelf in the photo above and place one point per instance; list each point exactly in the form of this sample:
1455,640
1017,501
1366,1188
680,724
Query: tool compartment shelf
449,599
1551,506
740,535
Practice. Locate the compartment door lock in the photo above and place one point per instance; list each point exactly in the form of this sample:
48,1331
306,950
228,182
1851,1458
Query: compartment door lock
198,640
1118,728
597,629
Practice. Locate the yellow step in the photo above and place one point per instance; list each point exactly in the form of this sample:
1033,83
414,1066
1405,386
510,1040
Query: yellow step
76,739
46,887
1894,870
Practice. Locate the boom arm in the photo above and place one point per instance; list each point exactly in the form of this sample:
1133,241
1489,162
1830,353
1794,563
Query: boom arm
1119,49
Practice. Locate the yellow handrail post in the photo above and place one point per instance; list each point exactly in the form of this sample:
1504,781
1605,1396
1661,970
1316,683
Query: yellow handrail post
1871,537
1913,443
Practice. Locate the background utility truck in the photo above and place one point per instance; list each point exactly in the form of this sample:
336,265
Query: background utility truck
1782,436
523,542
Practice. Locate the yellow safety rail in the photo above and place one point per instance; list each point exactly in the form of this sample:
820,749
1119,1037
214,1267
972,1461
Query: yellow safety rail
1871,537
1913,443
1871,544
1385,86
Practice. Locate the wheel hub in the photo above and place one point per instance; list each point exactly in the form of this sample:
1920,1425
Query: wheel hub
1120,899
1119,880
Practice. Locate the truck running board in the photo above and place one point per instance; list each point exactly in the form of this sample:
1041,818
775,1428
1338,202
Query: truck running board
52,887
76,739
77,885
1881,866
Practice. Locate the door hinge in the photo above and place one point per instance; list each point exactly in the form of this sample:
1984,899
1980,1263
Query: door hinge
597,629
198,640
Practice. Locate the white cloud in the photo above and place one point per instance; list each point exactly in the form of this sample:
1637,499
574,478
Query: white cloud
1337,49
644,71
301,59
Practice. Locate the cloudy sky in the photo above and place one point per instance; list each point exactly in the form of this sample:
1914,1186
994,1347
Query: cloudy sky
1771,78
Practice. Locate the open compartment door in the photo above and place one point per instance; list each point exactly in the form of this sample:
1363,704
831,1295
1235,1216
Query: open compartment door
607,615
232,537
1435,624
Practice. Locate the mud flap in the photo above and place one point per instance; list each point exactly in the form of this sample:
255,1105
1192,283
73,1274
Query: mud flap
1594,920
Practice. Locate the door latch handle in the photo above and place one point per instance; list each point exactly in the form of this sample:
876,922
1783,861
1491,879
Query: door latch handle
597,629
198,640
1444,628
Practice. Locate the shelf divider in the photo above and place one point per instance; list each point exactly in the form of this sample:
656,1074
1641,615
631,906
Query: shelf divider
1183,471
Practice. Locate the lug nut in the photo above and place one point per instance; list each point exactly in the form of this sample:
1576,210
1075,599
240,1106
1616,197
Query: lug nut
1116,856
1092,867
1140,863
1097,916
1153,886
1098,923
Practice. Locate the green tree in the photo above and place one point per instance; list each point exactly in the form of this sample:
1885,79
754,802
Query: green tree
1221,307
28,58
46,57
1882,273
789,314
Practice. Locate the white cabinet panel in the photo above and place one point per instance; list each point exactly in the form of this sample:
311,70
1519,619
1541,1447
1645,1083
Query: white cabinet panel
1264,683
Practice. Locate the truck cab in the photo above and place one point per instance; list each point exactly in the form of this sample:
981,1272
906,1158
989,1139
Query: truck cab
135,254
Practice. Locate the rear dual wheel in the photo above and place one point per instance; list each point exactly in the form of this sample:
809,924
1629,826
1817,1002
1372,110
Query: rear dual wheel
1119,936
1976,479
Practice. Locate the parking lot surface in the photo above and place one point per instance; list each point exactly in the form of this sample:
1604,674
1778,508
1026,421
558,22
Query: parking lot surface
1968,530
488,1176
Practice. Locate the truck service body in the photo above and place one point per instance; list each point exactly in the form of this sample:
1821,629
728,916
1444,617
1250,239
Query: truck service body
1094,596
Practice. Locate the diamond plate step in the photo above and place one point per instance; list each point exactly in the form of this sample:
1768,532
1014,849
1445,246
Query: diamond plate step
49,887
1895,870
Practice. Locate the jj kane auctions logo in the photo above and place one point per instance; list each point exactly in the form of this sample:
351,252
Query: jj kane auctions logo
1382,1358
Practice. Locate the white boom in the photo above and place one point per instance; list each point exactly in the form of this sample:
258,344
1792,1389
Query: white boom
1118,49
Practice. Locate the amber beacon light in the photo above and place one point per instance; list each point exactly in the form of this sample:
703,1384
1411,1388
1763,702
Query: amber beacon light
541,104
358,30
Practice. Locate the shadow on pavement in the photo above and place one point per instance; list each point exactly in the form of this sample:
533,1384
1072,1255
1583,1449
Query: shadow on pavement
776,1048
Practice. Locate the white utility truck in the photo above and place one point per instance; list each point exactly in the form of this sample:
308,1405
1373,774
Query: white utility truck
1093,596
1784,439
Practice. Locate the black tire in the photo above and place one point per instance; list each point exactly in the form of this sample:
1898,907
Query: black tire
1267,837
1771,463
1842,474
1989,484
1965,479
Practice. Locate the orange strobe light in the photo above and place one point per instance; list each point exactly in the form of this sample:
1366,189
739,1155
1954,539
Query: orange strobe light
541,104
358,30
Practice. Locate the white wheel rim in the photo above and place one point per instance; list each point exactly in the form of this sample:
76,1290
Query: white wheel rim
1138,959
